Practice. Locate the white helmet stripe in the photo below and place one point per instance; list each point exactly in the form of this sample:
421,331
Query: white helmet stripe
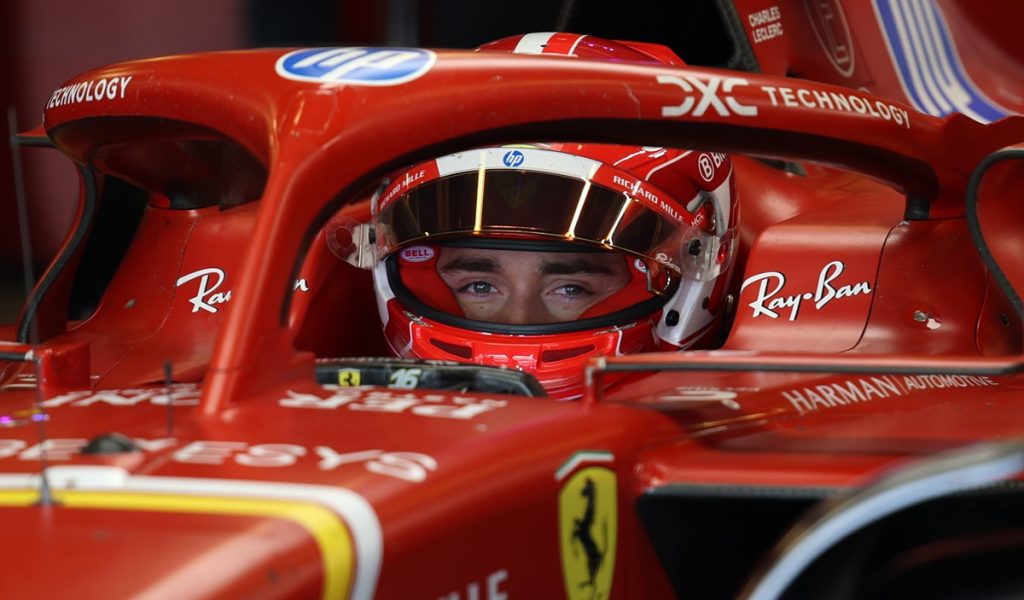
383,288
529,159
533,43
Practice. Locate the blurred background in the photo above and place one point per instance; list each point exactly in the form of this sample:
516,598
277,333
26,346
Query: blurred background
47,42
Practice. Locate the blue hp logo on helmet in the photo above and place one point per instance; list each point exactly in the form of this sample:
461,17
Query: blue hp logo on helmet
359,66
513,158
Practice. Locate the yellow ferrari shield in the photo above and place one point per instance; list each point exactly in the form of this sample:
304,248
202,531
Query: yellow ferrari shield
349,377
588,524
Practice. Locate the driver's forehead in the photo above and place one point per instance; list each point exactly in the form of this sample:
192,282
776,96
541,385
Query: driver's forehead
488,260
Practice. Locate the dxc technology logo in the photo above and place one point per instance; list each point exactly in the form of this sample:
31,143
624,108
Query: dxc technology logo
715,93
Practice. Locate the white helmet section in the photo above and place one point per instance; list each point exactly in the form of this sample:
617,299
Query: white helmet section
690,299
514,158
540,43
384,292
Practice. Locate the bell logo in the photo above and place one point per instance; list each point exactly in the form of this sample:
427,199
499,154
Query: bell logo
417,254
714,93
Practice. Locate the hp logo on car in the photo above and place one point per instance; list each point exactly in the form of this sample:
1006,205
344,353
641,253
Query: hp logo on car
358,66
513,158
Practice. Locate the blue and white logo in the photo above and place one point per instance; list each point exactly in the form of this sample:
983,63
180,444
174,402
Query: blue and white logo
513,158
928,64
356,66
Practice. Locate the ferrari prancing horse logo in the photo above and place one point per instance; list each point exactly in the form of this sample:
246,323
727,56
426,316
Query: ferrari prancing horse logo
588,526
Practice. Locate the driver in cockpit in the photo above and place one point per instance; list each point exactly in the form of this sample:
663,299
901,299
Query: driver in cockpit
540,257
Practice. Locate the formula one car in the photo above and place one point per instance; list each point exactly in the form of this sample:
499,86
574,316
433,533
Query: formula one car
192,407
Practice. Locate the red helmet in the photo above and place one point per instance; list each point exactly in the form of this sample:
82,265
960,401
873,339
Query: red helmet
539,257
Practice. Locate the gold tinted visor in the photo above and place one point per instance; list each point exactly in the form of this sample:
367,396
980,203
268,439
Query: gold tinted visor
521,204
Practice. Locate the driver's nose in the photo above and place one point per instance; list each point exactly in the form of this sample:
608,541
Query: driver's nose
524,308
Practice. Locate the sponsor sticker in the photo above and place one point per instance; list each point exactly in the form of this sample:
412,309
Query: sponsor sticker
210,279
513,158
837,101
178,394
587,532
402,185
413,467
356,66
707,170
704,94
704,395
417,254
708,164
642,191
344,395
94,90
349,378
205,297
772,303
390,401
765,24
866,389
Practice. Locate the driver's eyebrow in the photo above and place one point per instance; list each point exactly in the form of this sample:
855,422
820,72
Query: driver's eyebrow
574,266
471,264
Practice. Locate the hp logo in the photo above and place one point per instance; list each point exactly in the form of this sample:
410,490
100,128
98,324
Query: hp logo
359,66
513,158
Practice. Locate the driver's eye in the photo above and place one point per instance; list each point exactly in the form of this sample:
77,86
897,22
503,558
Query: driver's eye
572,290
479,287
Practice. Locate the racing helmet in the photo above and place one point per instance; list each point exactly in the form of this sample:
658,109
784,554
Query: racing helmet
539,257
660,222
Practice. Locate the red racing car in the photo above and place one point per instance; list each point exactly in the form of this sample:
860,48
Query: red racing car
772,348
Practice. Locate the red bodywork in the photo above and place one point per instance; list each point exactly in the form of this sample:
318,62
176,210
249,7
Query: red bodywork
867,330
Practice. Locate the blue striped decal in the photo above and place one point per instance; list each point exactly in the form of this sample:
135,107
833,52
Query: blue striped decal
927,61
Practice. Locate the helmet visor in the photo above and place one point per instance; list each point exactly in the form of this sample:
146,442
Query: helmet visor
569,199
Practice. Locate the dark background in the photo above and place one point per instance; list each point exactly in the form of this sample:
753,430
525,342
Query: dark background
47,42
